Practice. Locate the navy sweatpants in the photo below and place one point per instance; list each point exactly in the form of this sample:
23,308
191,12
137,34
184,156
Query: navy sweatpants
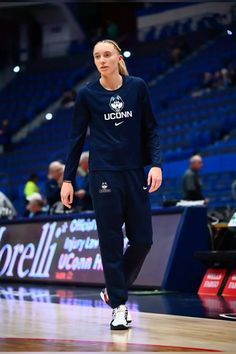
121,197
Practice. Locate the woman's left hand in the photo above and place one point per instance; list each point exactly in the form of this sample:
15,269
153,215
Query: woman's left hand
154,179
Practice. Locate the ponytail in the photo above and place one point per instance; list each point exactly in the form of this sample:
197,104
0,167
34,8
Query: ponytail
122,67
121,64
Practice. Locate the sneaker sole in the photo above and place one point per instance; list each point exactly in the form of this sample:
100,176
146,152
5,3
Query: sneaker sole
119,328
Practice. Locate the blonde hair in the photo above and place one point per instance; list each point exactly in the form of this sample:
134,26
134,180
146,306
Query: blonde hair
121,64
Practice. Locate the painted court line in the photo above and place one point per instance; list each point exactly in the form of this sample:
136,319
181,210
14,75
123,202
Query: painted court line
108,343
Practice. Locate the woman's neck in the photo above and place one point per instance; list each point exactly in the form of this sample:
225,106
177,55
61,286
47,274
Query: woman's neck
112,82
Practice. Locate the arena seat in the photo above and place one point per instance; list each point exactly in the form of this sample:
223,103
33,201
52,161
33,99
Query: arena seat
185,78
32,91
212,21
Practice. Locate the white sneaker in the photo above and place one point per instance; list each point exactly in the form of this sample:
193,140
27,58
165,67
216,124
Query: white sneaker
119,318
105,298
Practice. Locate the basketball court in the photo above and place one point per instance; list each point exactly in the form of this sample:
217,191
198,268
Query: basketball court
73,319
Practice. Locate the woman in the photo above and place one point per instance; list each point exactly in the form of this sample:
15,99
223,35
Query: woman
123,138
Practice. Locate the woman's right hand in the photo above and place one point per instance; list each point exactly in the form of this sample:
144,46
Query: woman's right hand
67,193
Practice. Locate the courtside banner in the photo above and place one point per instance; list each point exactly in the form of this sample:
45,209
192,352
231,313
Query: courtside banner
230,287
67,250
55,250
212,281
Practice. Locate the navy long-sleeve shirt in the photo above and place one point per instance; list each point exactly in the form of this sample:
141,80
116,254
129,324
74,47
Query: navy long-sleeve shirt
123,129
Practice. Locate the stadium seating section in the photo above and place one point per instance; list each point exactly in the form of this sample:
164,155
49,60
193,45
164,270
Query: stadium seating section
32,91
187,25
187,124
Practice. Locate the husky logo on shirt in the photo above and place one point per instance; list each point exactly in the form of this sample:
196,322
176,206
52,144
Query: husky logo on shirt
117,104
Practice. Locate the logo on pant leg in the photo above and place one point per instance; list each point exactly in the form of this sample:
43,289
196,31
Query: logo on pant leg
104,188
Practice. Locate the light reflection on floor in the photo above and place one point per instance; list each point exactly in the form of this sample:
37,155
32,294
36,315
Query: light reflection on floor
169,303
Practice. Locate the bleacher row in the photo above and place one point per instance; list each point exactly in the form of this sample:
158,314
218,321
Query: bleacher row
187,124
188,77
149,61
219,196
217,176
211,21
30,93
197,126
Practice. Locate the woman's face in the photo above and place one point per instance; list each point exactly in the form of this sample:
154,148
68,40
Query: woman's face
106,58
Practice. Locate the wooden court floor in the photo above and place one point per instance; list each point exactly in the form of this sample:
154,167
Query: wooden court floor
44,327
